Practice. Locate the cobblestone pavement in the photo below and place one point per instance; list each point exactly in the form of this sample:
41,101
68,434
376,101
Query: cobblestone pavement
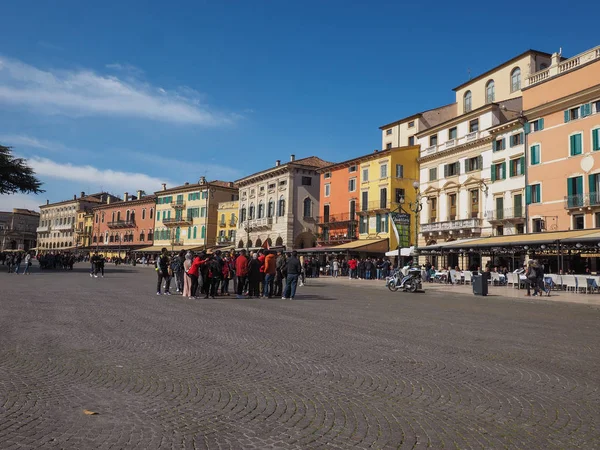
342,366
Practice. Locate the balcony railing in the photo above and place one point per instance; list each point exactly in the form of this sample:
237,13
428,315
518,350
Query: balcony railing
453,143
336,238
64,227
177,221
582,200
122,224
564,66
452,225
225,240
378,205
506,214
178,204
337,218
45,229
264,223
222,224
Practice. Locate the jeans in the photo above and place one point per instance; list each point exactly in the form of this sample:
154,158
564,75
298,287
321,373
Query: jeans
368,274
241,281
194,284
278,284
18,267
291,282
268,285
225,286
179,279
26,269
167,279
379,274
335,273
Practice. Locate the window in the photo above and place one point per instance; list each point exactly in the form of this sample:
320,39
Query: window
365,174
388,145
364,206
388,131
596,139
327,175
158,215
362,225
151,214
517,167
518,206
452,206
203,232
500,230
281,207
282,183
306,181
474,195
202,211
192,213
534,155
128,215
515,80
271,186
575,146
399,171
473,125
533,194
499,144
352,169
411,140
307,207
433,174
474,163
467,101
499,208
262,189
433,140
452,133
352,185
383,198
432,209
498,171
204,194
251,212
143,213
516,139
533,126
243,214
400,196
490,91
578,222
411,124
596,106
571,114
520,228
97,218
451,170
327,190
383,171
575,192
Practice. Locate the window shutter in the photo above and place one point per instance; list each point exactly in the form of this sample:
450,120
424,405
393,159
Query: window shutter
511,169
528,195
578,143
582,111
480,162
522,137
494,172
526,127
566,116
541,124
494,146
522,165
592,184
572,145
596,139
588,109
569,189
510,141
445,170
579,185
503,145
465,164
504,170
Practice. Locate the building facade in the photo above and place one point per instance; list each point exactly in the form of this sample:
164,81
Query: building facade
187,216
84,228
18,229
227,231
280,205
56,229
123,226
562,107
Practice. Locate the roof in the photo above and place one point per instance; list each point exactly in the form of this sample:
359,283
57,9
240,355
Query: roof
547,237
92,198
194,186
310,161
504,64
427,115
369,156
119,203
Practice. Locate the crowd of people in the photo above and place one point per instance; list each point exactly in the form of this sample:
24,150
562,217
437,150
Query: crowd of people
14,261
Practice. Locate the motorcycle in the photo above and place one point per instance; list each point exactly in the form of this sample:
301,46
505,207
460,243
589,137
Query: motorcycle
411,282
393,280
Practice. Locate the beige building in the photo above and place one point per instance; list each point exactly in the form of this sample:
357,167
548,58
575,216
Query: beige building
18,229
187,216
56,230
280,205
227,230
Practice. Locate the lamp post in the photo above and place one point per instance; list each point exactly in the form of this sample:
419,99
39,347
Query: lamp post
416,207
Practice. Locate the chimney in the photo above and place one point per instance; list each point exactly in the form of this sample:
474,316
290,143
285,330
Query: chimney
293,158
125,196
108,200
139,194
82,194
277,163
47,202
375,151
164,186
75,197
202,180
187,183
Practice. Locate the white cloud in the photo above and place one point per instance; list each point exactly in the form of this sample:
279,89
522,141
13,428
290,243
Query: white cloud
20,140
86,93
107,180
33,202
127,68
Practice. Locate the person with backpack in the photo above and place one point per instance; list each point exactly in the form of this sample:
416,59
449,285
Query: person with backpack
162,270
215,272
177,269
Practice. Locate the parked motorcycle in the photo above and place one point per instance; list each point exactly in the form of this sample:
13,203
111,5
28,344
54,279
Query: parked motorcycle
393,280
411,282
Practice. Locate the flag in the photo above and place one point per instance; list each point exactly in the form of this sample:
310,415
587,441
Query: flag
266,245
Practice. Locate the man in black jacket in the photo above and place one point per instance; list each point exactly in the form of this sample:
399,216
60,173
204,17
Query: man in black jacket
294,269
162,269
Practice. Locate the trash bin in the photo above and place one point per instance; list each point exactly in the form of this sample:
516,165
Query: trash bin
480,285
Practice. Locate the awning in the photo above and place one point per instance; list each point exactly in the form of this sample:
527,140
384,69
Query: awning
405,251
522,239
174,248
441,245
593,236
363,245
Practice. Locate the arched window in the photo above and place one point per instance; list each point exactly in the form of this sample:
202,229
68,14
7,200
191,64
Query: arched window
241,244
113,216
142,236
306,207
515,80
243,214
111,238
261,210
94,239
467,101
143,213
203,232
97,217
132,217
258,242
128,215
150,234
232,219
151,213
222,218
249,243
195,229
251,211
281,207
490,91
271,208
279,241
118,216
102,217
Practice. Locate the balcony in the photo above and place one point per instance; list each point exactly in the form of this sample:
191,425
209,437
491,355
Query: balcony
173,222
451,226
333,219
472,136
225,240
122,224
178,204
377,206
334,239
451,143
222,224
265,223
64,227
582,201
506,215
564,66
45,229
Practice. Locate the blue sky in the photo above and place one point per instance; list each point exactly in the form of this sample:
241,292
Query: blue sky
126,95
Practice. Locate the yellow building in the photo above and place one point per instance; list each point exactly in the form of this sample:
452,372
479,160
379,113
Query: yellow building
186,216
83,230
226,231
386,186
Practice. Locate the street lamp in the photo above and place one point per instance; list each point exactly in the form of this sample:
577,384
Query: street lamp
416,207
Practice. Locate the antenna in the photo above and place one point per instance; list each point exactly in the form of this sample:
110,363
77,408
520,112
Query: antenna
469,72
560,51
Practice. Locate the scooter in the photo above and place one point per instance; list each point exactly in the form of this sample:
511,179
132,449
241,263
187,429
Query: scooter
393,280
411,282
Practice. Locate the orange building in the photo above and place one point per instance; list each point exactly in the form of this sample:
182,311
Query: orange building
562,106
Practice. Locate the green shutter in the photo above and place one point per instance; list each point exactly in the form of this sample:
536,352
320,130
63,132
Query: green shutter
522,165
541,124
511,168
494,172
445,170
503,146
578,146
528,195
579,185
494,146
504,170
588,109
567,116
510,141
527,127
582,111
596,139
572,145
480,162
522,137
592,183
570,189
378,223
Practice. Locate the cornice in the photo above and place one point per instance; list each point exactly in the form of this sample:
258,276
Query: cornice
458,119
508,126
564,102
455,150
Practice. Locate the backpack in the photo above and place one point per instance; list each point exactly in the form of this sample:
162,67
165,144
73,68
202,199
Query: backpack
532,274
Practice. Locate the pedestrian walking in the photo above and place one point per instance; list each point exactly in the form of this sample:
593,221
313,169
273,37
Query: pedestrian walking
162,270
293,270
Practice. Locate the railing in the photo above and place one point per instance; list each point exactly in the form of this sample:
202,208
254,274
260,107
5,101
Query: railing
178,204
121,224
564,66
451,225
472,136
225,240
264,223
42,229
377,206
505,214
430,150
232,223
451,143
222,224
581,200
539,76
63,227
336,238
336,218
177,221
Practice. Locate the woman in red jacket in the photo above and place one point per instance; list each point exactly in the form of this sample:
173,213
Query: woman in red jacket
193,273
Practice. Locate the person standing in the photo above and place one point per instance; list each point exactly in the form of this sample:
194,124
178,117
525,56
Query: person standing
177,269
100,261
162,269
187,279
279,276
293,270
27,264
241,271
254,276
336,268
270,269
261,259
226,273
18,260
